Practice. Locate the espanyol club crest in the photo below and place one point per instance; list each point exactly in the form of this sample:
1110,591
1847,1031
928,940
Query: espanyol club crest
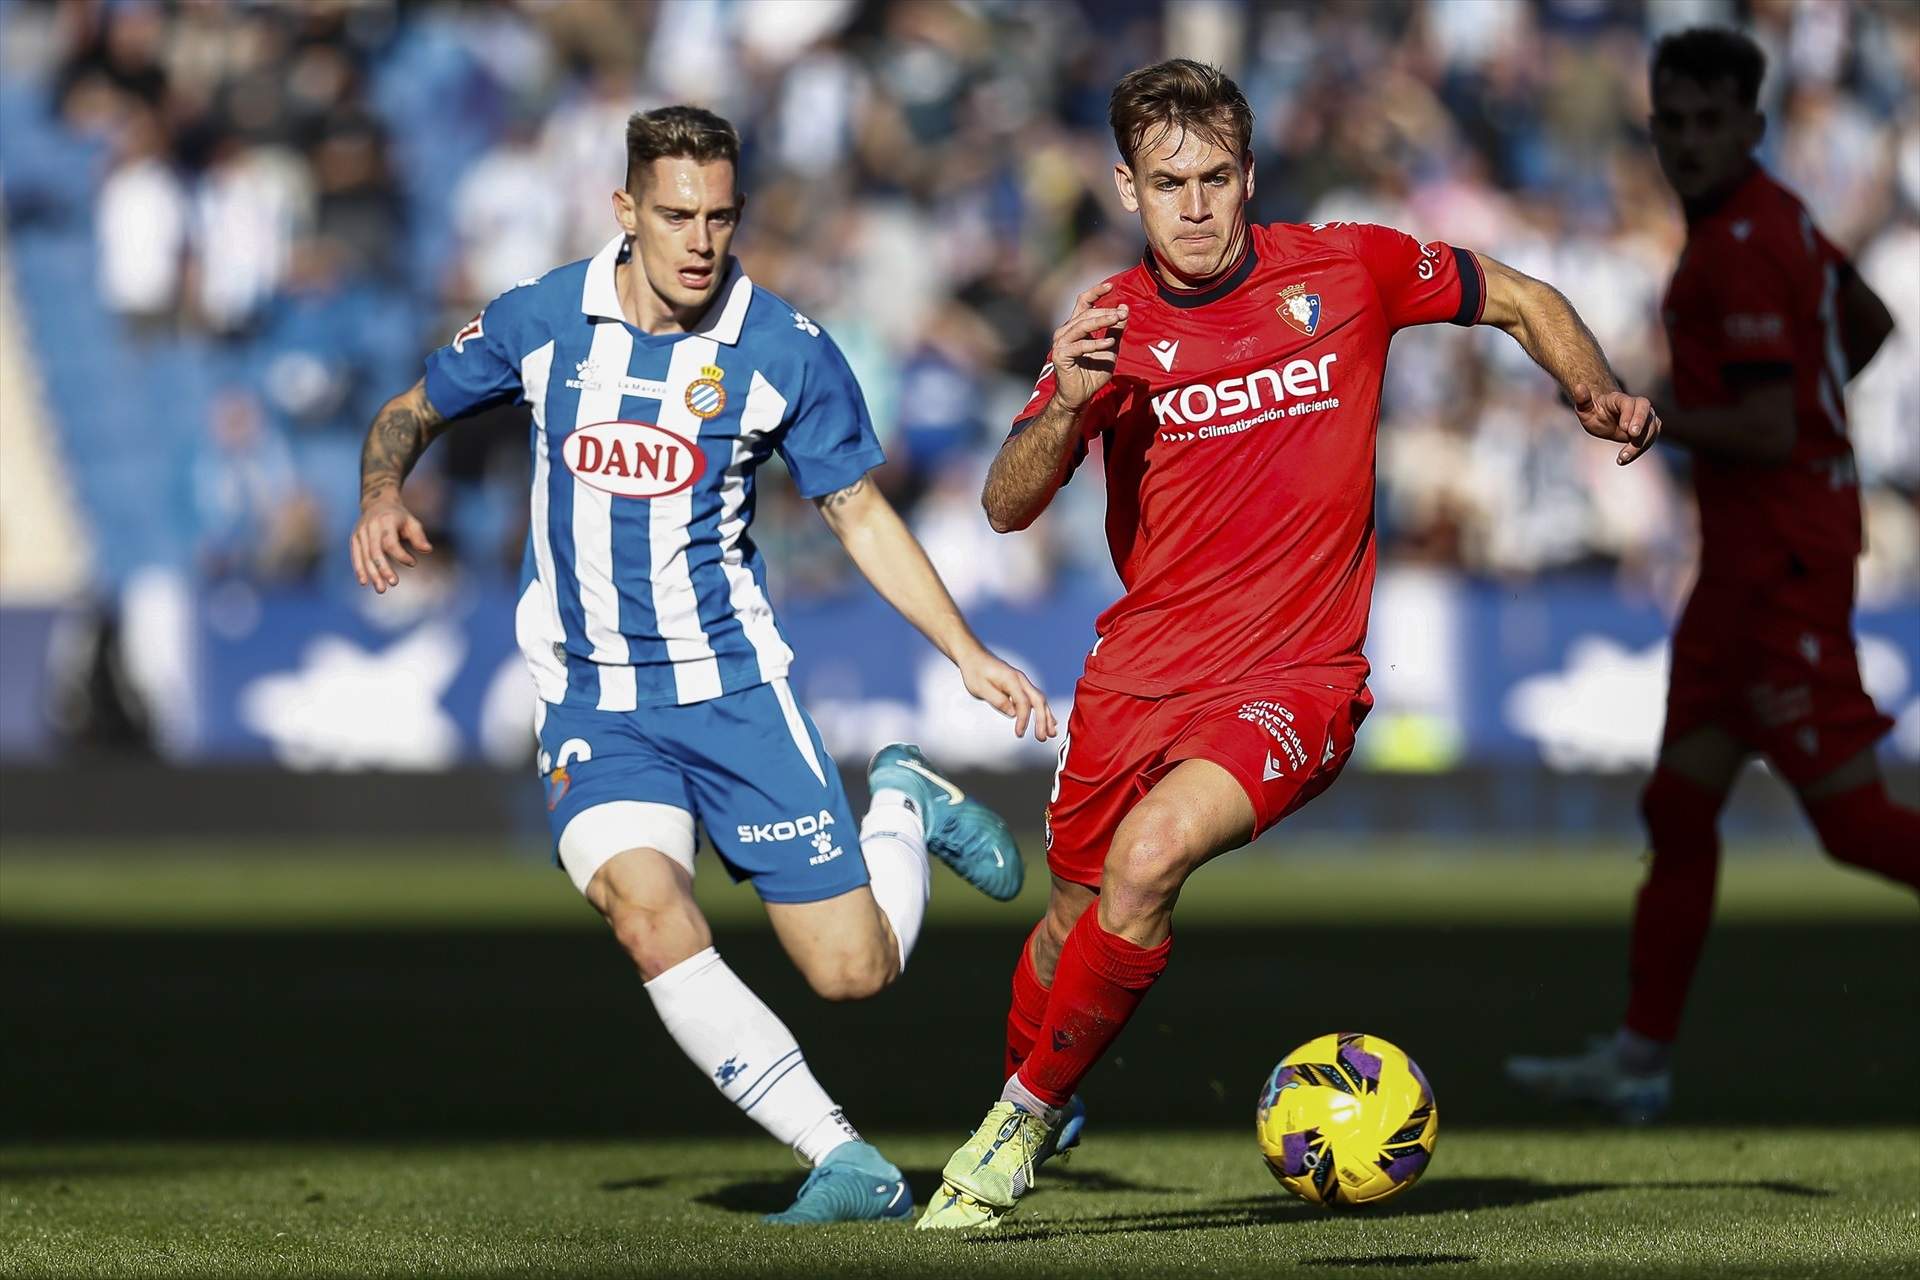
705,396
1300,308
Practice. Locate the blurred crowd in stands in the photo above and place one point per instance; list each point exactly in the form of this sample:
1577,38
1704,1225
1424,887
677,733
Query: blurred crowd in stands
298,200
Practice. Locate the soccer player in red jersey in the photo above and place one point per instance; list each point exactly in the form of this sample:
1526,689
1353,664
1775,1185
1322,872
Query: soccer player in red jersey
1233,379
1767,322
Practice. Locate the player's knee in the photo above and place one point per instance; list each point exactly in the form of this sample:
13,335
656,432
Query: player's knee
1863,828
1148,863
657,936
1680,817
852,975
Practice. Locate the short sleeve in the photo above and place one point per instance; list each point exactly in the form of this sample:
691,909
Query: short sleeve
1042,393
1418,283
476,369
828,441
1090,421
1753,300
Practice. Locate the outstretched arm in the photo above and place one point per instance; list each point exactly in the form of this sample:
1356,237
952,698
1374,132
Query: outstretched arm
891,558
1538,317
401,432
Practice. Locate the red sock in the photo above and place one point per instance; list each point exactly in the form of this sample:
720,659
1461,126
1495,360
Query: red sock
1100,981
1863,828
1028,1009
1675,905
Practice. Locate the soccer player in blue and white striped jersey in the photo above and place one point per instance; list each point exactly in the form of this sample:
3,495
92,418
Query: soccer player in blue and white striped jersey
660,378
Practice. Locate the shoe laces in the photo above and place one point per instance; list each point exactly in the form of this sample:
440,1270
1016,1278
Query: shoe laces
1028,1134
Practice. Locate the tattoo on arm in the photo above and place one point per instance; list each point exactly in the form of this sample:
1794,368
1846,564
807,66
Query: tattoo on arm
840,497
401,432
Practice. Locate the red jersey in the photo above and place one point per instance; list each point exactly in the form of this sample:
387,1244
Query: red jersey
1754,298
1238,438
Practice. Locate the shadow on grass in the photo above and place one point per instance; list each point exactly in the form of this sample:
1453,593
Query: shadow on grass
772,1194
452,1033
1392,1260
17,1169
1451,1195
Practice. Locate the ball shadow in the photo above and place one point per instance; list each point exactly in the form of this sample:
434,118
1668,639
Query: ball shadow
1444,1196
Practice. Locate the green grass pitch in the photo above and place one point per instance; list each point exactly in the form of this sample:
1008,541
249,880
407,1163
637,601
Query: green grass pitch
326,1061
1679,1203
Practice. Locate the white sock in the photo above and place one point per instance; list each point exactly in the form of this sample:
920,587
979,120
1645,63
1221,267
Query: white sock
748,1052
1018,1094
893,840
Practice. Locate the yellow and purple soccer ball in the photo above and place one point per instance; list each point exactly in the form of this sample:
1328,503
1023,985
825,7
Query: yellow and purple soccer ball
1347,1119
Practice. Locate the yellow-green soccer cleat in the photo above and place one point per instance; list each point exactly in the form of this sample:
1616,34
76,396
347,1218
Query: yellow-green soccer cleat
987,1176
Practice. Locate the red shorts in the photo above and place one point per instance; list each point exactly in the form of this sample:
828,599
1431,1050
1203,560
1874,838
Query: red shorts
1774,666
1285,737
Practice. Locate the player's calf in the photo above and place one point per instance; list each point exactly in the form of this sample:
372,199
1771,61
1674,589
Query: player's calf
850,973
844,946
647,899
1065,904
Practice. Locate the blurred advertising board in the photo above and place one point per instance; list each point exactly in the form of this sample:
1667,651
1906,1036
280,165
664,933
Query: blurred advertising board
1568,674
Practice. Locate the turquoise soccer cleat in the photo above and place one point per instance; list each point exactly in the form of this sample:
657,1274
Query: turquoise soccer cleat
855,1183
963,833
1066,1136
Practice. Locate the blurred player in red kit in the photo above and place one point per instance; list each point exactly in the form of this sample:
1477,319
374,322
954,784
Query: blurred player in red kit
1233,379
1767,323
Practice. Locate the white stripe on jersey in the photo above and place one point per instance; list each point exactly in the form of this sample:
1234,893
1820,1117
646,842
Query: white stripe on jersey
801,738
1833,372
696,672
762,413
536,622
593,526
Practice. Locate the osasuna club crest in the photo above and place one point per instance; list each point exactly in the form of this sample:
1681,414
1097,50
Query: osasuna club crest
1300,308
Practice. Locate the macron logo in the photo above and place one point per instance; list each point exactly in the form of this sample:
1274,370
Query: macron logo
1164,352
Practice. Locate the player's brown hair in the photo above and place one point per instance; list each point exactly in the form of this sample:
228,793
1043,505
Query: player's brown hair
690,132
1179,94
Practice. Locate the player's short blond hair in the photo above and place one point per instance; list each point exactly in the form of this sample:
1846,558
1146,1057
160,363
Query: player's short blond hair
673,132
1179,94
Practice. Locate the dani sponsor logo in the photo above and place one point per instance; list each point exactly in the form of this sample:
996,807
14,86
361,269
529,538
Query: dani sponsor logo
633,459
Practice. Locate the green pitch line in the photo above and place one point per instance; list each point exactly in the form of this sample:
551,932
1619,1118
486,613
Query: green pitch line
413,885
1678,1203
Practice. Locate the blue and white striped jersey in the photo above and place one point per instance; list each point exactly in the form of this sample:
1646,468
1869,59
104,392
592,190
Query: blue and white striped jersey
640,585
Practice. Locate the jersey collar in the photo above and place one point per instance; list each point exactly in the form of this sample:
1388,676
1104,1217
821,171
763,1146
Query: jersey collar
1213,293
1700,210
600,298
